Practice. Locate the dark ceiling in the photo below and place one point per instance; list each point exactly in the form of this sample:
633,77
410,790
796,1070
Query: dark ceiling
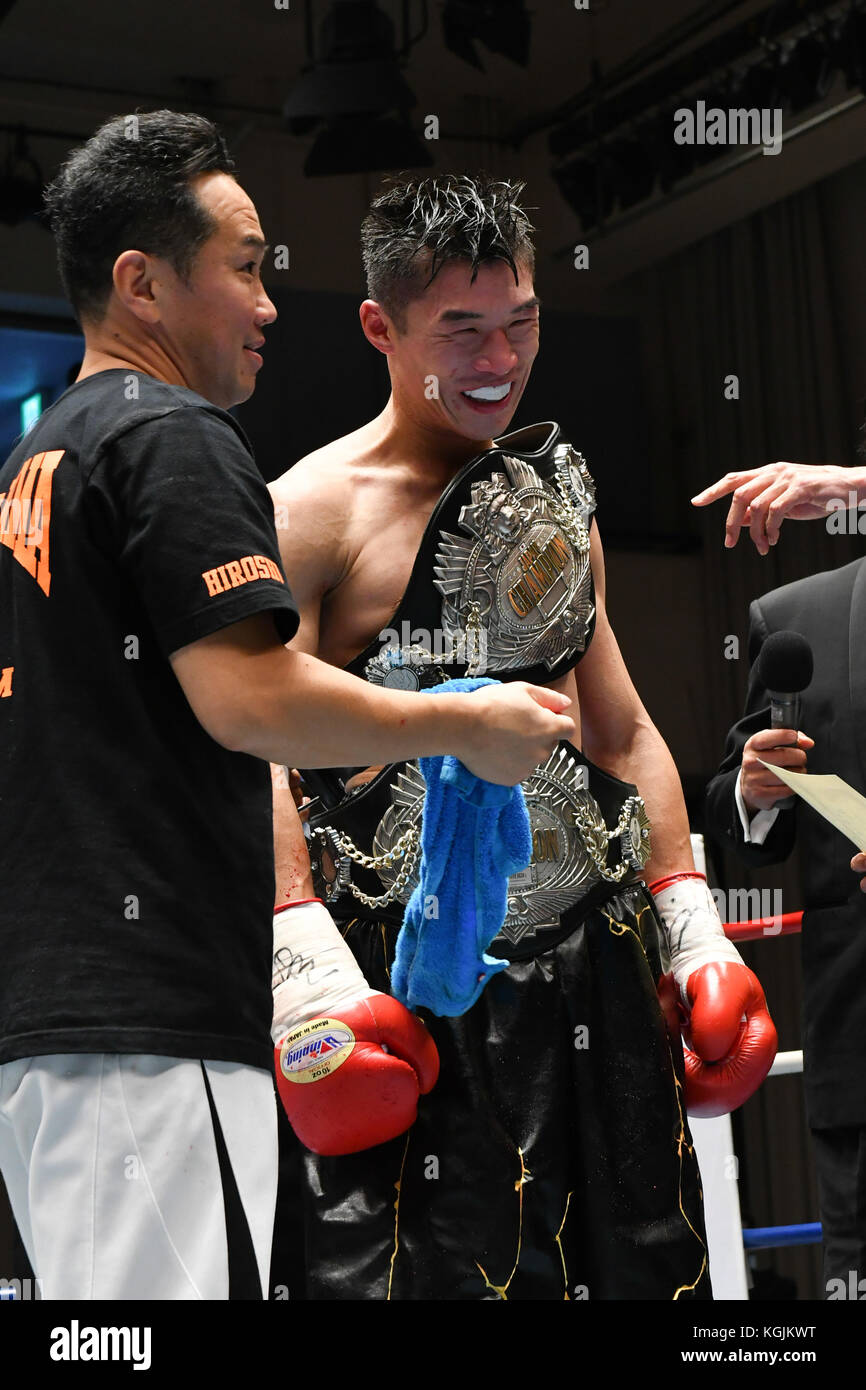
240,57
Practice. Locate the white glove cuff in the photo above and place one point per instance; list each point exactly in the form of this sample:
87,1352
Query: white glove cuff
694,929
314,972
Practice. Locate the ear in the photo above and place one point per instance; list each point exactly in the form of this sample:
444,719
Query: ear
377,327
136,278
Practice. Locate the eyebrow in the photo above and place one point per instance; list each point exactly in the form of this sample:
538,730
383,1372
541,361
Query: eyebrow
457,315
259,242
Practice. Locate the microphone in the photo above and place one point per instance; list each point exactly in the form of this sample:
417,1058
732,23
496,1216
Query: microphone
784,667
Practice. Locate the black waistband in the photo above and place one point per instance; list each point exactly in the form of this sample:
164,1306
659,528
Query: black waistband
602,896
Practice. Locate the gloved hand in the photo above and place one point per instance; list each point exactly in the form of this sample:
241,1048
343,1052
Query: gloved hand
730,1040
350,1062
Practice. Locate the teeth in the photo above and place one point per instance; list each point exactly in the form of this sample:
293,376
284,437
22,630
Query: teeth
489,393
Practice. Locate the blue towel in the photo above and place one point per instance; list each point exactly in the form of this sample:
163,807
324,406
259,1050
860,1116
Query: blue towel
474,835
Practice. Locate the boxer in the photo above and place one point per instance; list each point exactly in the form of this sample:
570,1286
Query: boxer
553,1157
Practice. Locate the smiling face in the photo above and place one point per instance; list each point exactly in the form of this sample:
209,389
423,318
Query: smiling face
477,338
210,327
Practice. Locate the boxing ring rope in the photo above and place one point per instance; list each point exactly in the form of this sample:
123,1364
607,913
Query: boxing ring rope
772,1237
784,1064
761,927
728,1240
787,1064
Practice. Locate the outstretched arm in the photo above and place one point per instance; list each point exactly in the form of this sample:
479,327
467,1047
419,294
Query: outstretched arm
762,498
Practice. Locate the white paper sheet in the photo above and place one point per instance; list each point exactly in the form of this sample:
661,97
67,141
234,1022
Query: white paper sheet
838,803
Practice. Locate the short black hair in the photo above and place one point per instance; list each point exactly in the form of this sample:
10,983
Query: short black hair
128,188
417,225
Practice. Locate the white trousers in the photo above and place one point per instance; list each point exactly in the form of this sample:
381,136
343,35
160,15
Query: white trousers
124,1186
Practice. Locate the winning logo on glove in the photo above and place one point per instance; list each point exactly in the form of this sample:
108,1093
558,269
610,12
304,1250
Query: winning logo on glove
315,1050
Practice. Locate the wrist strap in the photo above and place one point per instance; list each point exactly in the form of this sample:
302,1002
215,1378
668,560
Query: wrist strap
296,902
660,883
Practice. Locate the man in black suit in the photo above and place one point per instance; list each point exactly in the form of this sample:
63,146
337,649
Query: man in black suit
743,813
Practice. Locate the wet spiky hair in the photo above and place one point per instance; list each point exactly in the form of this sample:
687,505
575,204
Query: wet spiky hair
417,225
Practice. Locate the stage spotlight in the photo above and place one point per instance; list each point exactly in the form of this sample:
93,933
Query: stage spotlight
356,73
362,144
354,85
331,90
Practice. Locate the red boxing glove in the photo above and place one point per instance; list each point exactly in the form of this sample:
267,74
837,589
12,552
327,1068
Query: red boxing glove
350,1062
351,1082
729,1035
730,1038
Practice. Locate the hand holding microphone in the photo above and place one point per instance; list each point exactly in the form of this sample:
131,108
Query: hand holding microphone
784,668
784,748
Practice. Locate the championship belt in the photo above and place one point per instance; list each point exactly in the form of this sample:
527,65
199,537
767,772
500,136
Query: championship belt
502,582
590,834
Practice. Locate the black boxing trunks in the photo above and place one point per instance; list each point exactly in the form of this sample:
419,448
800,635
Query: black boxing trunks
552,1160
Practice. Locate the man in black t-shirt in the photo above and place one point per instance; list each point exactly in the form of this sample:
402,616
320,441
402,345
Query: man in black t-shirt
144,687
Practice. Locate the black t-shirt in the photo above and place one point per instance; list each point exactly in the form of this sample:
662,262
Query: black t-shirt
136,854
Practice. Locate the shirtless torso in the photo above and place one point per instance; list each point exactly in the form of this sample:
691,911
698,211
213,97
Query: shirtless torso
350,519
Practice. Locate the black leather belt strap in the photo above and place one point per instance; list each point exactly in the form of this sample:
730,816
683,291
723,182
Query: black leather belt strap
358,816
